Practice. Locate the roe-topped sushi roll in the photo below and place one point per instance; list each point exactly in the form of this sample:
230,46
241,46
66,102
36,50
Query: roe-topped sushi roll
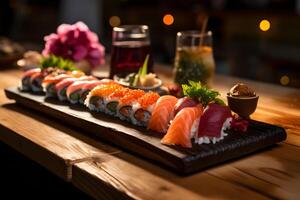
125,111
96,98
112,101
86,88
143,108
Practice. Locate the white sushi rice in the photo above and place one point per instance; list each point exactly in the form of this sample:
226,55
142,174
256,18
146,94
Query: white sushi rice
208,140
137,106
92,107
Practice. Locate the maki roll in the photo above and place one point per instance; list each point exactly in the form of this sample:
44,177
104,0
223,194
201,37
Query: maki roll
95,100
26,78
89,86
125,111
36,82
112,101
62,86
78,91
50,81
143,108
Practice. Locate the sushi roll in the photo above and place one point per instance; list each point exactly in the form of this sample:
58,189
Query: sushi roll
36,82
26,78
81,89
112,101
62,86
183,127
125,111
163,113
50,81
213,123
143,108
95,100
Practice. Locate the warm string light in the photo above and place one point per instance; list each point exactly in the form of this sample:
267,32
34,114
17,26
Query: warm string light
264,25
168,19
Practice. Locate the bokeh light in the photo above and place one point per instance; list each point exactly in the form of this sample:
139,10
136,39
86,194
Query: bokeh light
264,25
168,19
114,21
284,80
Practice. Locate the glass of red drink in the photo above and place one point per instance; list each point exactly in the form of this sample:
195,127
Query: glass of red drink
130,46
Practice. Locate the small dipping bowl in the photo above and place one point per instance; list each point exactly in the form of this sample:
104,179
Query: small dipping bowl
243,106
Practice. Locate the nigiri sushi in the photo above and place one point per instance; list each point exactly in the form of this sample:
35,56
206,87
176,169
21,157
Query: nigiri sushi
143,108
214,121
26,83
124,111
162,114
96,98
183,127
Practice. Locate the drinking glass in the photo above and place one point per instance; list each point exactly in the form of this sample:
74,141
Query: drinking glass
130,46
194,58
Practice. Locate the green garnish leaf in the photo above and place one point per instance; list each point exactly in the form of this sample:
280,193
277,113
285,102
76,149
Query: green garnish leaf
145,66
201,93
142,71
58,62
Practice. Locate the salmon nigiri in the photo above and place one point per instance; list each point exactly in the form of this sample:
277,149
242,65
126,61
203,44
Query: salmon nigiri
163,113
182,127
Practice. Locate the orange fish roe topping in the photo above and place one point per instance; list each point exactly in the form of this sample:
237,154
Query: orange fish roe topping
148,99
131,96
104,90
120,92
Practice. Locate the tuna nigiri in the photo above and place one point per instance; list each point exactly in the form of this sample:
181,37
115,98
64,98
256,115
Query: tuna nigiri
214,121
183,127
163,113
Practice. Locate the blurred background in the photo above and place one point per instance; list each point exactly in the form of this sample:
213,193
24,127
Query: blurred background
255,39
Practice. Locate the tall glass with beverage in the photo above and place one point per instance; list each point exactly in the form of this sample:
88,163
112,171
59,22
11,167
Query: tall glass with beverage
130,46
194,58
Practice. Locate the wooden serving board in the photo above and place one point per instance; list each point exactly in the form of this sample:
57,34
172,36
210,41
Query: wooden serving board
146,143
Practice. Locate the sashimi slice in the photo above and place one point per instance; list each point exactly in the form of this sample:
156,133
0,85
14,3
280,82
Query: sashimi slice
163,113
179,132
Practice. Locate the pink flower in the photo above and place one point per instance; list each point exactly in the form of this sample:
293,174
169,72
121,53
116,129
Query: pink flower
75,42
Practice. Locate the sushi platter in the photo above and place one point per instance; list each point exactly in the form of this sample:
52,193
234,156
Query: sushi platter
179,133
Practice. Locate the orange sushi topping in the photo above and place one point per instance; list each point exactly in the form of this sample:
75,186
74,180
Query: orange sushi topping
104,90
131,96
148,99
120,92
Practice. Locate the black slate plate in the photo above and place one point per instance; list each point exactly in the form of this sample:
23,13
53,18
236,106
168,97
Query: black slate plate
147,143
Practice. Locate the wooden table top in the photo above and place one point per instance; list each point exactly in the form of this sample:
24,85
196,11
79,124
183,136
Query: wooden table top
105,172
